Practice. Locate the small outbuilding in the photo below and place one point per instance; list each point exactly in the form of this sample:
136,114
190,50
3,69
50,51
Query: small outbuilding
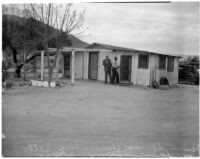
137,67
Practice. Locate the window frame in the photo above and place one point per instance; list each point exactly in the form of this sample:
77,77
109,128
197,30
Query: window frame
160,66
139,64
170,68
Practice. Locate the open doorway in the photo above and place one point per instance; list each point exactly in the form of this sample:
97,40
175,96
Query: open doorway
67,66
125,68
93,66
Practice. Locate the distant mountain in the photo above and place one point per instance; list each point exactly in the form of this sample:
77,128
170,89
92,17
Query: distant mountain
72,41
76,42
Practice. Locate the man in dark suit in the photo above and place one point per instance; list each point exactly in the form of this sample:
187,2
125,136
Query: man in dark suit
107,68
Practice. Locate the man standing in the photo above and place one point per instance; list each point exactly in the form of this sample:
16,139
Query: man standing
107,68
115,74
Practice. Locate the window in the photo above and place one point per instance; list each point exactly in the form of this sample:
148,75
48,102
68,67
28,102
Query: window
162,62
170,64
143,61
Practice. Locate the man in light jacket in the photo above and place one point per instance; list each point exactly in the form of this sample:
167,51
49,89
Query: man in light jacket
115,74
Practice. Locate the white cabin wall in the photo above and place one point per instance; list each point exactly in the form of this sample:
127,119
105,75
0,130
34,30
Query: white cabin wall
134,68
85,65
171,76
78,65
138,76
100,75
153,67
143,75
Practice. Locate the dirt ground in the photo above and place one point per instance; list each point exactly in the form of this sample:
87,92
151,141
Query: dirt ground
95,119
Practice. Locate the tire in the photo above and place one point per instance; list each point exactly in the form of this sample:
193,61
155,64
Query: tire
190,80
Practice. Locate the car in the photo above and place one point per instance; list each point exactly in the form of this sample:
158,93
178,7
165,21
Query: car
188,73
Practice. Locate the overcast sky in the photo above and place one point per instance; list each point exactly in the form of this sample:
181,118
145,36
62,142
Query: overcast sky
168,27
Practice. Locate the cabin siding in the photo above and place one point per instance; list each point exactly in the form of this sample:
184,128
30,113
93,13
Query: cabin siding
153,66
79,68
171,76
134,68
143,74
143,77
100,68
139,76
85,65
101,74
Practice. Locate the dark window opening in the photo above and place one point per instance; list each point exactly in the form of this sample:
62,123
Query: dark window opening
143,61
170,64
162,62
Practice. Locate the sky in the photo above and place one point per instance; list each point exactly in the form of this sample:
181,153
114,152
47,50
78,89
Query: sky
171,28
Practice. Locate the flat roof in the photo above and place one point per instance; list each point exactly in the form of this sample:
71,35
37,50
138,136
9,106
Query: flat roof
96,47
117,48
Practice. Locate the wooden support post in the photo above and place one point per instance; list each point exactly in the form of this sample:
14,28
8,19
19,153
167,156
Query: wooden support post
63,69
42,66
73,70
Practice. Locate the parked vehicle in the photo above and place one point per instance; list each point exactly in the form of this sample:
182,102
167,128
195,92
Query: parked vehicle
188,73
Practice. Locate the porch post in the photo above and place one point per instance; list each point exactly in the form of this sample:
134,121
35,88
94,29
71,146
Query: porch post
73,70
42,66
63,70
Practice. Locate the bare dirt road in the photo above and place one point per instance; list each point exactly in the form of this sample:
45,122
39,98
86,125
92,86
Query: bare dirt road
94,119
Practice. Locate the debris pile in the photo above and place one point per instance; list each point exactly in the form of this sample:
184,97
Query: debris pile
45,83
42,83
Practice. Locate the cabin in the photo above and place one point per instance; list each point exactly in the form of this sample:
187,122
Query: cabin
137,67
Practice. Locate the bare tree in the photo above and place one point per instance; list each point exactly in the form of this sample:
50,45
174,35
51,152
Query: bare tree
62,18
11,9
20,33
